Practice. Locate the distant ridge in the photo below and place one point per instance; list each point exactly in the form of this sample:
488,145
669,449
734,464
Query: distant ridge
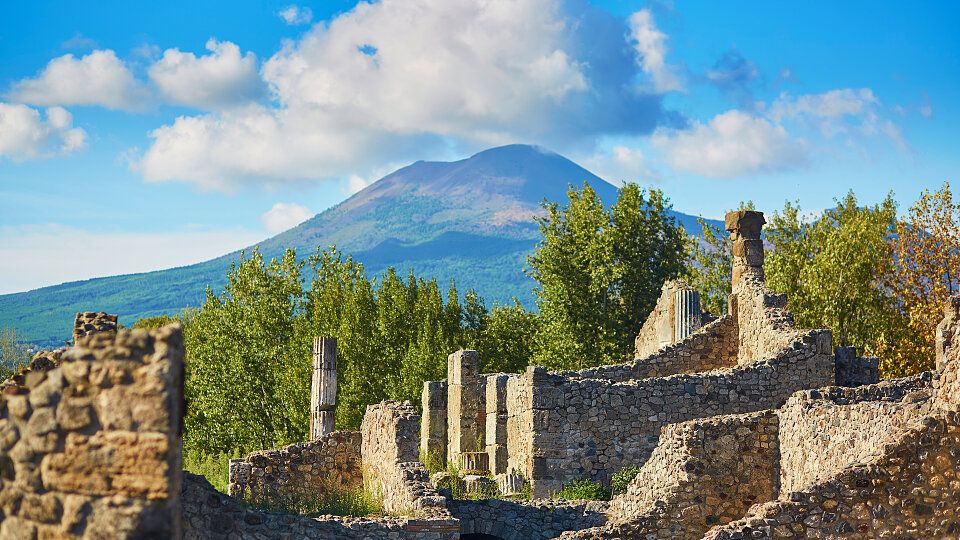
469,220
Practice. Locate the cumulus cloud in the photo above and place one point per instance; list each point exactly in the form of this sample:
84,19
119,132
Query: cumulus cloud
26,252
284,216
98,78
621,164
651,45
295,15
79,41
386,78
219,79
25,134
732,144
847,111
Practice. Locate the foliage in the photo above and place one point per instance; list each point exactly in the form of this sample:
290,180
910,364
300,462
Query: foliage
622,478
832,270
152,323
329,500
249,349
214,467
926,251
13,352
599,273
246,359
712,264
583,489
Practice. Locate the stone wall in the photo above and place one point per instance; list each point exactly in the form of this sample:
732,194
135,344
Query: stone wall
659,329
853,370
948,356
765,324
569,428
908,489
92,448
823,431
537,519
433,425
91,322
392,469
331,462
704,472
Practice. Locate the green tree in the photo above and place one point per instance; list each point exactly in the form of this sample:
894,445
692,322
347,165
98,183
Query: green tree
246,367
599,273
832,270
507,340
152,323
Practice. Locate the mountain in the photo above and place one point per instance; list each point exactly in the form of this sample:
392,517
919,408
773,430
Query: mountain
468,220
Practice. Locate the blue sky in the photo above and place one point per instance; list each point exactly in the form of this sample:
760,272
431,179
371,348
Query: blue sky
138,136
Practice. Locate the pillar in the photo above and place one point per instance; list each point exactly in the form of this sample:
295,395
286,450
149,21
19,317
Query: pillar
496,428
462,401
433,424
745,244
687,316
323,388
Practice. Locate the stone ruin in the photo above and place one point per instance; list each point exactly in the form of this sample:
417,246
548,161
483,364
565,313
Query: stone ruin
743,427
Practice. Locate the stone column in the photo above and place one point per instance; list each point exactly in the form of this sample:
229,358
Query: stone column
496,428
323,388
687,317
462,401
746,245
433,424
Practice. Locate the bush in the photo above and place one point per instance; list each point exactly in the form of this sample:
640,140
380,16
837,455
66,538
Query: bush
583,489
622,478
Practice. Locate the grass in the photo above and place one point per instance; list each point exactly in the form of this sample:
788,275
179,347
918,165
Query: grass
583,489
336,501
214,467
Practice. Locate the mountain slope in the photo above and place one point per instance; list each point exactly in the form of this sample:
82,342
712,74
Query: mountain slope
469,220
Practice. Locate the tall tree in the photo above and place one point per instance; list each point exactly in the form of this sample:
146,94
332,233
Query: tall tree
926,248
832,270
599,273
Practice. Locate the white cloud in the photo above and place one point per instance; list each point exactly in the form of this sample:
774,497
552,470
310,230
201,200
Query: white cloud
294,15
284,216
222,78
98,78
392,79
732,144
621,164
79,41
847,111
651,45
34,256
24,134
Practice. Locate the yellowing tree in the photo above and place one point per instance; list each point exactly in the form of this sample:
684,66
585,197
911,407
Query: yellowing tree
926,251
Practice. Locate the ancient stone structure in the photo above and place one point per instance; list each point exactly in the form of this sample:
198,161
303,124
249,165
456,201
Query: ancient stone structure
537,519
433,425
92,448
745,244
323,387
331,462
463,398
91,322
676,316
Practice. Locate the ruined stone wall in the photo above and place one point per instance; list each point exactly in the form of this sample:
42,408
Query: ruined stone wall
823,431
765,323
704,472
657,329
91,322
909,489
948,356
853,370
536,519
391,468
329,463
572,428
92,448
207,513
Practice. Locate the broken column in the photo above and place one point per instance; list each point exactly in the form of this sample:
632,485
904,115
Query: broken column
745,244
687,315
323,388
433,424
496,428
462,401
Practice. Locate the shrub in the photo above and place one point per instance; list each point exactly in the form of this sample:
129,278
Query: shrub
583,489
622,478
